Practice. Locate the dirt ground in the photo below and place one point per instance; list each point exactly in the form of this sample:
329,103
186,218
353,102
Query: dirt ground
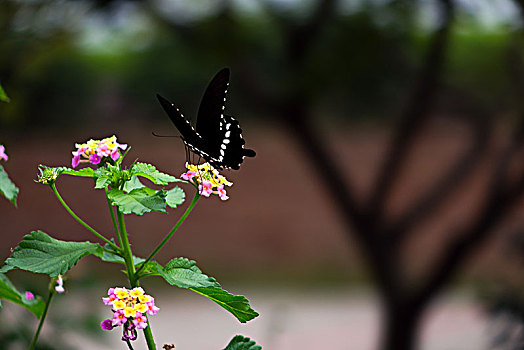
316,319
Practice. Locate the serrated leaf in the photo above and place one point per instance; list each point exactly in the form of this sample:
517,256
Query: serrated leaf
114,258
3,95
84,172
132,184
40,253
10,293
6,268
237,305
151,173
7,188
175,197
184,273
102,182
139,201
240,342
102,177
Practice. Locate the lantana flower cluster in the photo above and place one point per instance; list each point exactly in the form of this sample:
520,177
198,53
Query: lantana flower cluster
207,179
2,153
129,308
94,151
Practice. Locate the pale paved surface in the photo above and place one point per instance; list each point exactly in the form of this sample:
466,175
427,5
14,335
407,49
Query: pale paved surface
313,320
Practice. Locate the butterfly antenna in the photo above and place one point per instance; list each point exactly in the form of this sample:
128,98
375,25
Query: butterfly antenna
157,135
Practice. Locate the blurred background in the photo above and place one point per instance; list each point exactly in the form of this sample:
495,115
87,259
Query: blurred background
383,208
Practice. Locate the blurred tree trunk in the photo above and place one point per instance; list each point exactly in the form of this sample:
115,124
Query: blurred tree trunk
401,326
381,238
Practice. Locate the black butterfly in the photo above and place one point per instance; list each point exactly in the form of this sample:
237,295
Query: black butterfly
217,137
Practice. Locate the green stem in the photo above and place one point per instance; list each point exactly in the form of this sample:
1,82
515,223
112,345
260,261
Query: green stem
111,212
44,314
172,232
129,344
82,222
148,334
131,273
126,247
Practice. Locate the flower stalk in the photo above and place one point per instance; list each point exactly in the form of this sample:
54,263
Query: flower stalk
113,220
82,222
52,292
172,232
131,272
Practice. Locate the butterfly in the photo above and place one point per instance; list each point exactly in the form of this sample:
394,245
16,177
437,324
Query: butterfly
217,137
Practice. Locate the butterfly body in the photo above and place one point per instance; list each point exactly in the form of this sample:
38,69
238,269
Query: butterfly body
217,137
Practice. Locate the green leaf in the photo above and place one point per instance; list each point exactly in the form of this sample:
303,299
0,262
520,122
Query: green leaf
184,273
240,342
139,201
84,172
6,268
40,253
113,257
103,178
175,197
238,305
102,182
7,188
150,172
132,184
3,95
10,293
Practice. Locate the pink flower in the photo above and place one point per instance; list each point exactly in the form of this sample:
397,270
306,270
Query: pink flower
205,188
115,154
76,159
222,192
106,325
2,153
140,322
151,308
95,159
29,296
109,300
103,150
94,151
129,310
207,179
188,175
119,318
59,288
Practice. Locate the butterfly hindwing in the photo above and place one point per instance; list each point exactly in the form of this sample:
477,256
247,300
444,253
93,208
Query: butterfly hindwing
232,149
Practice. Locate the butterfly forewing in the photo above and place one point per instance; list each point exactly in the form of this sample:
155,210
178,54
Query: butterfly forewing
189,135
211,110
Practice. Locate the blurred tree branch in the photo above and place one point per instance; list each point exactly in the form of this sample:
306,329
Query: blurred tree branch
416,114
379,237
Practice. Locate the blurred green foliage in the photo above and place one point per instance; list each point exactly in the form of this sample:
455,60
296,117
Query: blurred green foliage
65,63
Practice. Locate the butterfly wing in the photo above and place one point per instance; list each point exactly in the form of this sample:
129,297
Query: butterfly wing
218,137
210,115
189,135
232,151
